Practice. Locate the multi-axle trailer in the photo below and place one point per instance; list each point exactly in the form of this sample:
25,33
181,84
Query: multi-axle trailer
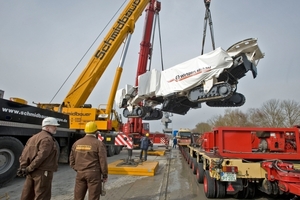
242,161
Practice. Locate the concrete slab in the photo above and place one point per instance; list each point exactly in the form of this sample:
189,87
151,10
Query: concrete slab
147,168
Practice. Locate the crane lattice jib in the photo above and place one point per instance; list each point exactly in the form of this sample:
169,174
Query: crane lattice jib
89,77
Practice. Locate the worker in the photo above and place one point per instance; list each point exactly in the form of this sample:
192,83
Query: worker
145,143
38,161
174,142
88,158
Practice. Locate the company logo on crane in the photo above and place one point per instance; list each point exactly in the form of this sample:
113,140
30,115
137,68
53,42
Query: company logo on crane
116,30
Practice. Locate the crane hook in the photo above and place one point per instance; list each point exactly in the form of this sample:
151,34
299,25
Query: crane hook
207,3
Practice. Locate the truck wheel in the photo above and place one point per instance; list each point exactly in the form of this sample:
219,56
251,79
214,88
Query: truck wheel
58,150
200,173
221,189
117,150
10,151
110,151
240,194
251,191
195,165
191,161
209,185
188,159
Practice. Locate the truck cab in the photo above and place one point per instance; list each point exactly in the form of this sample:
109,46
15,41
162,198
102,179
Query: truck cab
184,137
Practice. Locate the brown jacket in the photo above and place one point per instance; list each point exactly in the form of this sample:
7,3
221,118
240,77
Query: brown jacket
40,152
89,153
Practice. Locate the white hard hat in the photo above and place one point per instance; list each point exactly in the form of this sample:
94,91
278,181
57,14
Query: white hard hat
50,121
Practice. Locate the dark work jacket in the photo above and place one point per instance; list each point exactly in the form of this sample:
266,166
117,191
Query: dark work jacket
89,153
145,142
40,152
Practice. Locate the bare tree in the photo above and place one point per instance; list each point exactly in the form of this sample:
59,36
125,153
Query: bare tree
202,127
256,117
231,118
273,113
276,113
291,110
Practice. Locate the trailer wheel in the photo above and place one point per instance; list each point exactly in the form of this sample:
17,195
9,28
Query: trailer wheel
10,151
58,150
110,150
117,150
221,189
191,163
188,157
184,155
251,191
240,194
209,185
195,165
200,173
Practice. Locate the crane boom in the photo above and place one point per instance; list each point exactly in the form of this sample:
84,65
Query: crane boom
89,77
74,104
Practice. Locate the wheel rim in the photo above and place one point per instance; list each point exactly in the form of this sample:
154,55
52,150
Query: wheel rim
6,160
205,186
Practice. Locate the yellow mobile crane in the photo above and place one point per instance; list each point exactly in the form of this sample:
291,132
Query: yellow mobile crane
74,103
19,121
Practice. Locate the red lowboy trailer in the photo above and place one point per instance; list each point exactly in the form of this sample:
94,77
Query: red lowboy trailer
239,161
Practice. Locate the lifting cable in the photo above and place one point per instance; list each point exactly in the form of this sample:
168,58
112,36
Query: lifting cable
206,19
152,41
88,50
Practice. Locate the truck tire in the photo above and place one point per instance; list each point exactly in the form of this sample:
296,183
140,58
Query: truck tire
209,185
252,191
110,150
191,162
221,189
10,151
200,173
61,158
117,150
194,166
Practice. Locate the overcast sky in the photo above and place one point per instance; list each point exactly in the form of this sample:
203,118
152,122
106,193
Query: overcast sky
42,41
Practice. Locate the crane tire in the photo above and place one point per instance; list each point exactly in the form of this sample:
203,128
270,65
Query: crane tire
10,151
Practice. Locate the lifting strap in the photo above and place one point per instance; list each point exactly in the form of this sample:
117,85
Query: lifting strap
206,19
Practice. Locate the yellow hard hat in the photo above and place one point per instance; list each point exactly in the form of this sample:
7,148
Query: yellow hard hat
90,127
147,134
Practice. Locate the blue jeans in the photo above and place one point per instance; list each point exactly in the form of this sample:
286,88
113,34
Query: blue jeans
145,154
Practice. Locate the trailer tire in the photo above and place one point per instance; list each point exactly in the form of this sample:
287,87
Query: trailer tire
209,185
191,163
221,189
200,173
251,191
10,151
58,150
194,166
110,150
188,159
186,156
117,150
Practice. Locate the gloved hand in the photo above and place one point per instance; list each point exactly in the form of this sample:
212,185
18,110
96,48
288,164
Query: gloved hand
19,172
104,178
22,172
